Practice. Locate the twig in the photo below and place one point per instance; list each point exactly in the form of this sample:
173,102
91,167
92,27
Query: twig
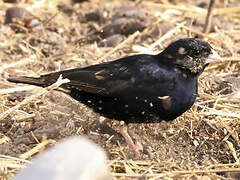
17,89
192,9
36,149
201,34
232,58
158,6
11,165
208,21
18,63
233,151
226,11
174,173
14,158
226,40
50,19
25,118
59,82
165,36
130,38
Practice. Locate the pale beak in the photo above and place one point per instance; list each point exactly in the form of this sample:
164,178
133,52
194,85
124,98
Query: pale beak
214,57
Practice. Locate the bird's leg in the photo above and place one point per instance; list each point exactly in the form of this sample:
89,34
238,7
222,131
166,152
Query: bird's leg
136,147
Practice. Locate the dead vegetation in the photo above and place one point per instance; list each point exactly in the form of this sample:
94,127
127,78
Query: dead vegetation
201,144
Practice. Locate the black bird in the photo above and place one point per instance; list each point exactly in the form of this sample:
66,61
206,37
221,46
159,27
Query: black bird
141,88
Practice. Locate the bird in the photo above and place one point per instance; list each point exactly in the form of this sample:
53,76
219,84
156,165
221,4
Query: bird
140,88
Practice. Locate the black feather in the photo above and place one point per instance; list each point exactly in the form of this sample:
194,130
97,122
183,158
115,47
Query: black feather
139,88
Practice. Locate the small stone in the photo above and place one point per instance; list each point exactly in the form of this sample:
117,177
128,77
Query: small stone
111,41
229,85
56,66
22,14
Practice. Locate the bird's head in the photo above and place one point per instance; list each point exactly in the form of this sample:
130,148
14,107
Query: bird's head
191,54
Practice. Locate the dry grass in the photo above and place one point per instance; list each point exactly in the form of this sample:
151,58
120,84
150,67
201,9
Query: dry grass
214,118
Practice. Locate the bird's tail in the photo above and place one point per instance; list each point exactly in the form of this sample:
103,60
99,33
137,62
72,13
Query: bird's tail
31,80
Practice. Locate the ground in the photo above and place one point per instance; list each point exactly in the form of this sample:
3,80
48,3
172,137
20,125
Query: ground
201,144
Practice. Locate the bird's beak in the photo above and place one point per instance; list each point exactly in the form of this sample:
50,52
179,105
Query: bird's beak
214,57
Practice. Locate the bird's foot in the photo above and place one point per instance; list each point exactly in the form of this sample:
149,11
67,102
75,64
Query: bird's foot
136,147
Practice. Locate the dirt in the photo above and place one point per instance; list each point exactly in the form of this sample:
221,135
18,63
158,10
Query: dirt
63,35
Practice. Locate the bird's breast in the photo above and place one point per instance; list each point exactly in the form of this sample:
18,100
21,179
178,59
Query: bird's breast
181,98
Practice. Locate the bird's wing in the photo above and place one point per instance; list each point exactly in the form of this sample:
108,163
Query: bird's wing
126,75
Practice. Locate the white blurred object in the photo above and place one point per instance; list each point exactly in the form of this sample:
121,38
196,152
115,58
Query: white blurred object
76,158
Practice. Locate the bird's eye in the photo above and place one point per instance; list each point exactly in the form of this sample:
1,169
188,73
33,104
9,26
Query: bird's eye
197,53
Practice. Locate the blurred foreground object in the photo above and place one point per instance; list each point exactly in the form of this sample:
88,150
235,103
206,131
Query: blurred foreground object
76,158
